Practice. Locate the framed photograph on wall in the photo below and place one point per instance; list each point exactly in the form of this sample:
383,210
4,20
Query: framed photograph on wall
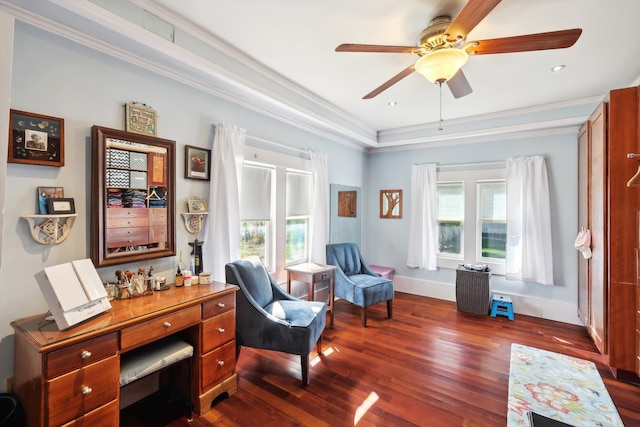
35,139
61,206
347,203
141,119
391,204
197,163
196,205
43,194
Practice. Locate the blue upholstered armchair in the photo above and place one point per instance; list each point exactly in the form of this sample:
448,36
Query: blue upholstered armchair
355,282
269,318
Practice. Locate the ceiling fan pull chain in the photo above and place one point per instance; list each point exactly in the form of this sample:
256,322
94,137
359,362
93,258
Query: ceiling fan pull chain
440,84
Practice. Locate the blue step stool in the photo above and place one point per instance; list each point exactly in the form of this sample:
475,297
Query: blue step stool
501,305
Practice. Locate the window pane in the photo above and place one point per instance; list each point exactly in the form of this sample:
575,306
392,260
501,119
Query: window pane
492,215
449,237
494,240
450,216
450,201
297,232
493,202
253,238
298,193
255,200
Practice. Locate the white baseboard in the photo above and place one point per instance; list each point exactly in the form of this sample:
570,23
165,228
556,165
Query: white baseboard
560,311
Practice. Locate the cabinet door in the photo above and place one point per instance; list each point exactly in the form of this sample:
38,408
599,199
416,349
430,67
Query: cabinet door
598,221
583,220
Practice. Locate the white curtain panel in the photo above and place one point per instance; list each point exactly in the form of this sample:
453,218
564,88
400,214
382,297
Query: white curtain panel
423,227
529,256
222,231
319,236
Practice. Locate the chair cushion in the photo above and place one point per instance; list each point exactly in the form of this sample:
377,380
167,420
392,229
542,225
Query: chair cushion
255,279
152,357
298,313
370,290
347,256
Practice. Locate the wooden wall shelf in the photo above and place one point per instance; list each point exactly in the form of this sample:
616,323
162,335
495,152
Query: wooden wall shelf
50,229
194,221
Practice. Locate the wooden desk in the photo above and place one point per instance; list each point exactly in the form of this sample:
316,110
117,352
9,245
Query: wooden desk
312,274
71,377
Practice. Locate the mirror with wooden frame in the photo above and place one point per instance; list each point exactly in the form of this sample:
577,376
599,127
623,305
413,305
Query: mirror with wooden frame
132,197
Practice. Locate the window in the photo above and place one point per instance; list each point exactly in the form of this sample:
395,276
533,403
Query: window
255,212
492,219
298,189
471,215
450,216
275,209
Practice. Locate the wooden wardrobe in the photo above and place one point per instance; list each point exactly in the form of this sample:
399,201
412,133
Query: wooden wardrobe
608,294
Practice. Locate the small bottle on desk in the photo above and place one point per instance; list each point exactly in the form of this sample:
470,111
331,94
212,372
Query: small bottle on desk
179,279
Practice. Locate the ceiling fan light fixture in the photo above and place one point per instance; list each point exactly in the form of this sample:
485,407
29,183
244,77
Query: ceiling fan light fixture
440,65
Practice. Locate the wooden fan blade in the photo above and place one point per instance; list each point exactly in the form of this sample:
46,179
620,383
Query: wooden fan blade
393,80
540,41
350,47
459,85
470,16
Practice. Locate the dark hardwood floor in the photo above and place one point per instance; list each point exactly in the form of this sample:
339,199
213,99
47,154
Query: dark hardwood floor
430,365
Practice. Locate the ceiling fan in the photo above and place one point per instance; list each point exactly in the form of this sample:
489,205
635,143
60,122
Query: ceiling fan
443,48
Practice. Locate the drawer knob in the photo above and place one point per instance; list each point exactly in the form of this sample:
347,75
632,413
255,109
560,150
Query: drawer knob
220,362
221,330
85,354
324,275
221,305
166,324
86,389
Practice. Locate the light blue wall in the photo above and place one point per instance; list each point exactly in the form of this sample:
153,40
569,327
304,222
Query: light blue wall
55,77
386,240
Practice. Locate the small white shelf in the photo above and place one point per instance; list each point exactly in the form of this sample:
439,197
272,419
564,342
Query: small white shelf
194,221
50,229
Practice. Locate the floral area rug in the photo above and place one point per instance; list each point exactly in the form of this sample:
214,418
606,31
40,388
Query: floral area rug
561,387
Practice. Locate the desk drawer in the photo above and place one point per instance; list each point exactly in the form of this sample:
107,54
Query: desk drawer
218,330
218,305
218,364
159,327
81,354
71,395
104,416
127,217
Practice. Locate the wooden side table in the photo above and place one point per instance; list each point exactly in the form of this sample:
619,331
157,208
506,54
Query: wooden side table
312,274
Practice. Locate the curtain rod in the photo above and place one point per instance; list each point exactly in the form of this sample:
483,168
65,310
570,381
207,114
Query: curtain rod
278,144
464,165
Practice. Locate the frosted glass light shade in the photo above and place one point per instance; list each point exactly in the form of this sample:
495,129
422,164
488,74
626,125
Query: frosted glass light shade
440,65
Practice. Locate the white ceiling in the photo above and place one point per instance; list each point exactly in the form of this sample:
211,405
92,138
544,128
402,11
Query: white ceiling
296,39
278,57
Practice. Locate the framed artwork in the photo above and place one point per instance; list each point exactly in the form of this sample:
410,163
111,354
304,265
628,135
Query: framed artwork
197,163
43,194
141,119
347,203
196,205
35,139
61,206
390,203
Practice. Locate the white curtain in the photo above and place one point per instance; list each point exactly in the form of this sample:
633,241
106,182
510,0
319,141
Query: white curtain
423,227
529,255
222,231
320,208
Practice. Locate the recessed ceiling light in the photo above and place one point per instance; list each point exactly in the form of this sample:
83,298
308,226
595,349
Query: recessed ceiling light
392,103
558,68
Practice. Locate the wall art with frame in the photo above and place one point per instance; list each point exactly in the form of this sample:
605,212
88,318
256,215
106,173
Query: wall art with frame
35,139
197,163
391,204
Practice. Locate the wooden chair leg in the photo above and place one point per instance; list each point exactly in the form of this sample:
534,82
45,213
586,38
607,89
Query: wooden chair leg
389,308
363,316
304,360
319,345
